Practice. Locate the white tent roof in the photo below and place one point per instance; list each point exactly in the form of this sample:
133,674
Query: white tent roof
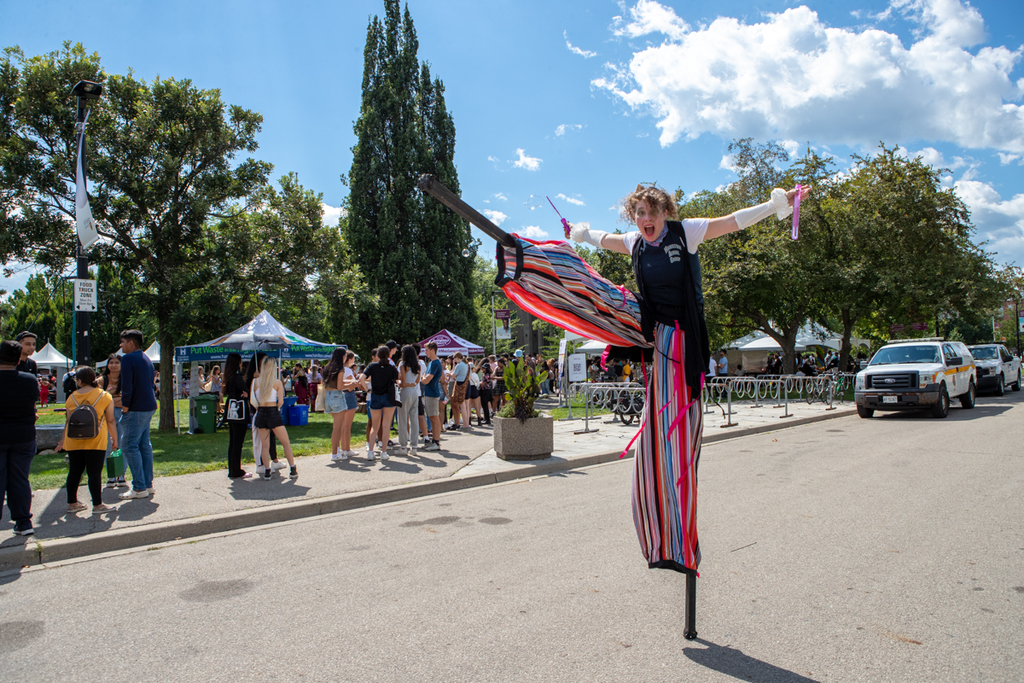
49,357
591,348
810,334
768,344
152,353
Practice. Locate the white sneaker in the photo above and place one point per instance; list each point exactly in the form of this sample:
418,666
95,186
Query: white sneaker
335,457
384,456
132,493
369,454
432,446
260,470
412,452
277,465
343,456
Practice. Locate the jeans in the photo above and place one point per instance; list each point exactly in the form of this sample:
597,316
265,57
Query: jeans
136,448
15,461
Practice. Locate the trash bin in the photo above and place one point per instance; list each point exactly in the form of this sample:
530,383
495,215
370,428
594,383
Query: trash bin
298,416
289,401
206,412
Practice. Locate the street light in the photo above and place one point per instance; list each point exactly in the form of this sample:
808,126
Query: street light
84,91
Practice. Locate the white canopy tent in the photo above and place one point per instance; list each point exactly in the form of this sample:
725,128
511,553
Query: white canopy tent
152,353
49,357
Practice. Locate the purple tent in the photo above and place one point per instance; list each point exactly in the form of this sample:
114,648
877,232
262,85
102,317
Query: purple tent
449,344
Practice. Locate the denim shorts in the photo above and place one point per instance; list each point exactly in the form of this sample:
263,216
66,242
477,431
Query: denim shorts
351,403
334,401
380,401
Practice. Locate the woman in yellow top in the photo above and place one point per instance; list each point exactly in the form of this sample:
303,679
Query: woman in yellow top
87,454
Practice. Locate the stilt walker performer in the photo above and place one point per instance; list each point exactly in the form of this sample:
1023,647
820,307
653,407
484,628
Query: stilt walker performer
665,319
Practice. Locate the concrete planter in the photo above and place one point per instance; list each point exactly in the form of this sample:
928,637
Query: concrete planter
530,440
47,437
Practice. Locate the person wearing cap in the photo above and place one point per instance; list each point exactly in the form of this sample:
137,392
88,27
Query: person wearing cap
28,347
18,395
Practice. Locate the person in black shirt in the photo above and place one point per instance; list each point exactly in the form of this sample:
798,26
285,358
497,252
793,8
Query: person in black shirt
28,347
382,376
19,392
237,414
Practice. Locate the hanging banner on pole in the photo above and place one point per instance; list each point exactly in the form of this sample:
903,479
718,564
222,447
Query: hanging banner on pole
87,234
503,323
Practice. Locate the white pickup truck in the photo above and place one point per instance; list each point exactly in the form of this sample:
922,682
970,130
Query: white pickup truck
910,374
997,367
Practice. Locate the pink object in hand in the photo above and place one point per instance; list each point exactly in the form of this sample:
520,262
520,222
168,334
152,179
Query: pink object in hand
796,214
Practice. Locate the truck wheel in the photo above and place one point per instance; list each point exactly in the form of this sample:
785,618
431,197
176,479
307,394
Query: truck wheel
1000,388
1016,385
941,409
865,412
967,400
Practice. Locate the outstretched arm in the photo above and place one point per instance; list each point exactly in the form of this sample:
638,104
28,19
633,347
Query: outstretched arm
780,204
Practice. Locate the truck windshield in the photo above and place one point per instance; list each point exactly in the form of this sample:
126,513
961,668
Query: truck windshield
907,354
985,352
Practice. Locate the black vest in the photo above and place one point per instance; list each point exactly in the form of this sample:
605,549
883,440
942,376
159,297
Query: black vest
689,312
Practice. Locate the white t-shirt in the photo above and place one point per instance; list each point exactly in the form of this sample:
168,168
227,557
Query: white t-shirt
694,228
349,375
711,367
423,372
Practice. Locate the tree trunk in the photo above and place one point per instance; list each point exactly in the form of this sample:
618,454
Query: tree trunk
844,349
166,380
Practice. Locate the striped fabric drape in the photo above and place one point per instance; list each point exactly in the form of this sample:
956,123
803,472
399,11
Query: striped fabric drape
552,282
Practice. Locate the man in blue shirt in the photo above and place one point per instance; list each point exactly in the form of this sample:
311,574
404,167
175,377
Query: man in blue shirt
432,396
138,403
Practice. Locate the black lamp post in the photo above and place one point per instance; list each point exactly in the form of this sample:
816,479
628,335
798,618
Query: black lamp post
83,91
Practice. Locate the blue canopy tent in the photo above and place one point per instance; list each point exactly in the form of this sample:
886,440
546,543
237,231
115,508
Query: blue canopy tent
262,333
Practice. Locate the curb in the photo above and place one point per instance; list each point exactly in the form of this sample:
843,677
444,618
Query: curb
41,552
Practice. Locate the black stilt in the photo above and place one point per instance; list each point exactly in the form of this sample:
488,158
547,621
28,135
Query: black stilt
691,607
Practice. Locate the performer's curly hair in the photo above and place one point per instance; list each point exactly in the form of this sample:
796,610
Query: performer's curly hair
655,197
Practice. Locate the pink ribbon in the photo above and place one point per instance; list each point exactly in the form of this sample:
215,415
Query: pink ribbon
796,214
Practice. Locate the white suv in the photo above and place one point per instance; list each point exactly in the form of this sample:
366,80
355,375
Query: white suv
996,368
909,374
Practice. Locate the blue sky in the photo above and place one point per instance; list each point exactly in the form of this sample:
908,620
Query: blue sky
581,99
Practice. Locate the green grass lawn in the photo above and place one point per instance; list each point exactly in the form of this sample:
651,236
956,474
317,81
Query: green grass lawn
184,453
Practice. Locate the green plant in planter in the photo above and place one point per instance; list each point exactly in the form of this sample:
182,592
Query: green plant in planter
522,388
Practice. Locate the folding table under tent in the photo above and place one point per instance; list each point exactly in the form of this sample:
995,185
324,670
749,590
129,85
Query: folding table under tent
262,333
448,344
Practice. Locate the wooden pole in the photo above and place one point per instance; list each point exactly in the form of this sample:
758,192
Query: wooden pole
429,184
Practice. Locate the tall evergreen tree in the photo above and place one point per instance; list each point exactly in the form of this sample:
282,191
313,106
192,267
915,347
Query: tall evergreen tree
409,247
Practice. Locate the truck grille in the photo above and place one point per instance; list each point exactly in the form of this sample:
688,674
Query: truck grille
901,380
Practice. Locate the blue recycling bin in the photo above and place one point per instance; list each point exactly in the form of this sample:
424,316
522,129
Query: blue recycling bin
298,416
289,401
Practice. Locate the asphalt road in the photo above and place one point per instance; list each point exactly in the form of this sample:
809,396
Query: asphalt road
889,549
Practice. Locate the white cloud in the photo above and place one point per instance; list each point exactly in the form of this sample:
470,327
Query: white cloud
1005,159
650,17
527,162
999,221
792,148
566,127
571,200
497,217
586,54
534,233
493,159
498,195
793,76
332,214
935,159
728,163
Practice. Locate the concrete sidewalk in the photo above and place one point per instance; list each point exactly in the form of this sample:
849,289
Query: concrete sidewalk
193,505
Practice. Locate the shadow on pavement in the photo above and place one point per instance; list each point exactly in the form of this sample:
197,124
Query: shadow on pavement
733,662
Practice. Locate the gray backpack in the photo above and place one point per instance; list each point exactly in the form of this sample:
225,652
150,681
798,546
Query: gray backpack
83,423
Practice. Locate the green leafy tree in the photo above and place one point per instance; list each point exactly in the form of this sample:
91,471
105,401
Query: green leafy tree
162,162
409,247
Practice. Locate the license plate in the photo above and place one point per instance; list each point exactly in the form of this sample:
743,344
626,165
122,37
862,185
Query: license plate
890,399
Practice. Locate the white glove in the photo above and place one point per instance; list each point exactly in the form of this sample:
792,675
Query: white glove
581,232
778,204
